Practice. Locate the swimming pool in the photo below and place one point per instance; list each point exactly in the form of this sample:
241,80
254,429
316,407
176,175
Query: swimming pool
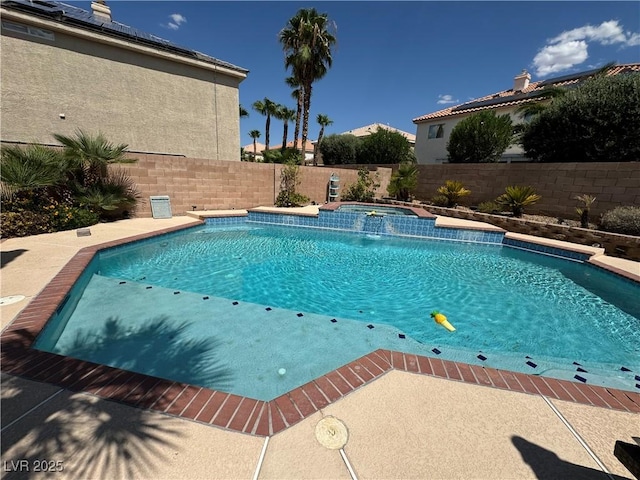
308,301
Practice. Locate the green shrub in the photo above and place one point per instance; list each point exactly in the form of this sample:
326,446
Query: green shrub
339,149
453,191
363,190
481,137
68,217
384,147
289,181
625,220
516,198
488,207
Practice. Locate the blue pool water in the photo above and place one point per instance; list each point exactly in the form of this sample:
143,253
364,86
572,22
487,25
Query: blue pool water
500,299
381,210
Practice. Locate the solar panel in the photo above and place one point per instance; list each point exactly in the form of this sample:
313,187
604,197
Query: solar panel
77,16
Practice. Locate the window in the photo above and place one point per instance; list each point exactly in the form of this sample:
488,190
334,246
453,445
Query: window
28,30
436,131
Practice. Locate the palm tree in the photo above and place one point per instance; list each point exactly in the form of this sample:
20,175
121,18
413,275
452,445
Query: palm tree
286,115
323,121
307,44
297,93
32,168
255,134
91,155
243,112
268,108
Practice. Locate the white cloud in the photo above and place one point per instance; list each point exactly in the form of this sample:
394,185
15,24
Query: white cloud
570,48
444,99
607,33
556,58
176,20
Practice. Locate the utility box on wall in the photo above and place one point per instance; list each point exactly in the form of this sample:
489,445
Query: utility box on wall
160,206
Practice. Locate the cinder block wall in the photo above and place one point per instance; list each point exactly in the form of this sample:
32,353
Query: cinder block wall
613,184
215,185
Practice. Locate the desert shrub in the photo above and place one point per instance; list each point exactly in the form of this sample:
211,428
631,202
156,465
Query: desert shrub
488,207
23,223
440,201
289,181
625,220
363,190
516,198
453,191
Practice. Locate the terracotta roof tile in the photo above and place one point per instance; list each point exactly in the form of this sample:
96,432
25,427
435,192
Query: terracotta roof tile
511,97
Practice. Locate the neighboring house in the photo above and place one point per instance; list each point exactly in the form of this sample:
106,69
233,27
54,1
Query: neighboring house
308,150
64,68
434,129
369,129
248,150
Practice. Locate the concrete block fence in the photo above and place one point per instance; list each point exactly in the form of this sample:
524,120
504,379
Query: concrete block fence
612,183
215,185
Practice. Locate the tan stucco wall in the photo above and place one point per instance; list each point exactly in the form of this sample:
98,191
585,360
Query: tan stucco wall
151,103
434,150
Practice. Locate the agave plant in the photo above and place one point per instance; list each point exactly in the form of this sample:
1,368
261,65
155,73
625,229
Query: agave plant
453,191
587,201
517,197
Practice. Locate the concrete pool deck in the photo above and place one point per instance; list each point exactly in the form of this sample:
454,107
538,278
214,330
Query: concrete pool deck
401,425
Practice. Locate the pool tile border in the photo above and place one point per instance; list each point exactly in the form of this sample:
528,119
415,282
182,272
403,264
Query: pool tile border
238,413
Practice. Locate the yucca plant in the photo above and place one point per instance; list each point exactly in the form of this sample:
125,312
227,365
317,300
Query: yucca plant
517,197
453,191
583,211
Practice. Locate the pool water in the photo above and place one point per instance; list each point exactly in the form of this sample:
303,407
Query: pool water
499,299
380,210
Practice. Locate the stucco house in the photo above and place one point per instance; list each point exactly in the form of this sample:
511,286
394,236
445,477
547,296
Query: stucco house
369,129
434,129
65,68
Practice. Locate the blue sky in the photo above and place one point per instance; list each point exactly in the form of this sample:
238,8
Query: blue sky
395,61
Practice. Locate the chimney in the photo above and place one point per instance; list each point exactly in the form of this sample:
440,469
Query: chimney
521,81
101,10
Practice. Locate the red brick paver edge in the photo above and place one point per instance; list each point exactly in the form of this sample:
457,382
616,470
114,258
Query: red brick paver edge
242,414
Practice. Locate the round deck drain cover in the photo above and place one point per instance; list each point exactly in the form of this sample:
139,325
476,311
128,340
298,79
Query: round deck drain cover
11,299
332,433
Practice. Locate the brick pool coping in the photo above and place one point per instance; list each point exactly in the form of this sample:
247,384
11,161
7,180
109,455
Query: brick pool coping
238,413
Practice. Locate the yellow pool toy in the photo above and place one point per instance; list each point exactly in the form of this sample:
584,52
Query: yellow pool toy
442,320
372,213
